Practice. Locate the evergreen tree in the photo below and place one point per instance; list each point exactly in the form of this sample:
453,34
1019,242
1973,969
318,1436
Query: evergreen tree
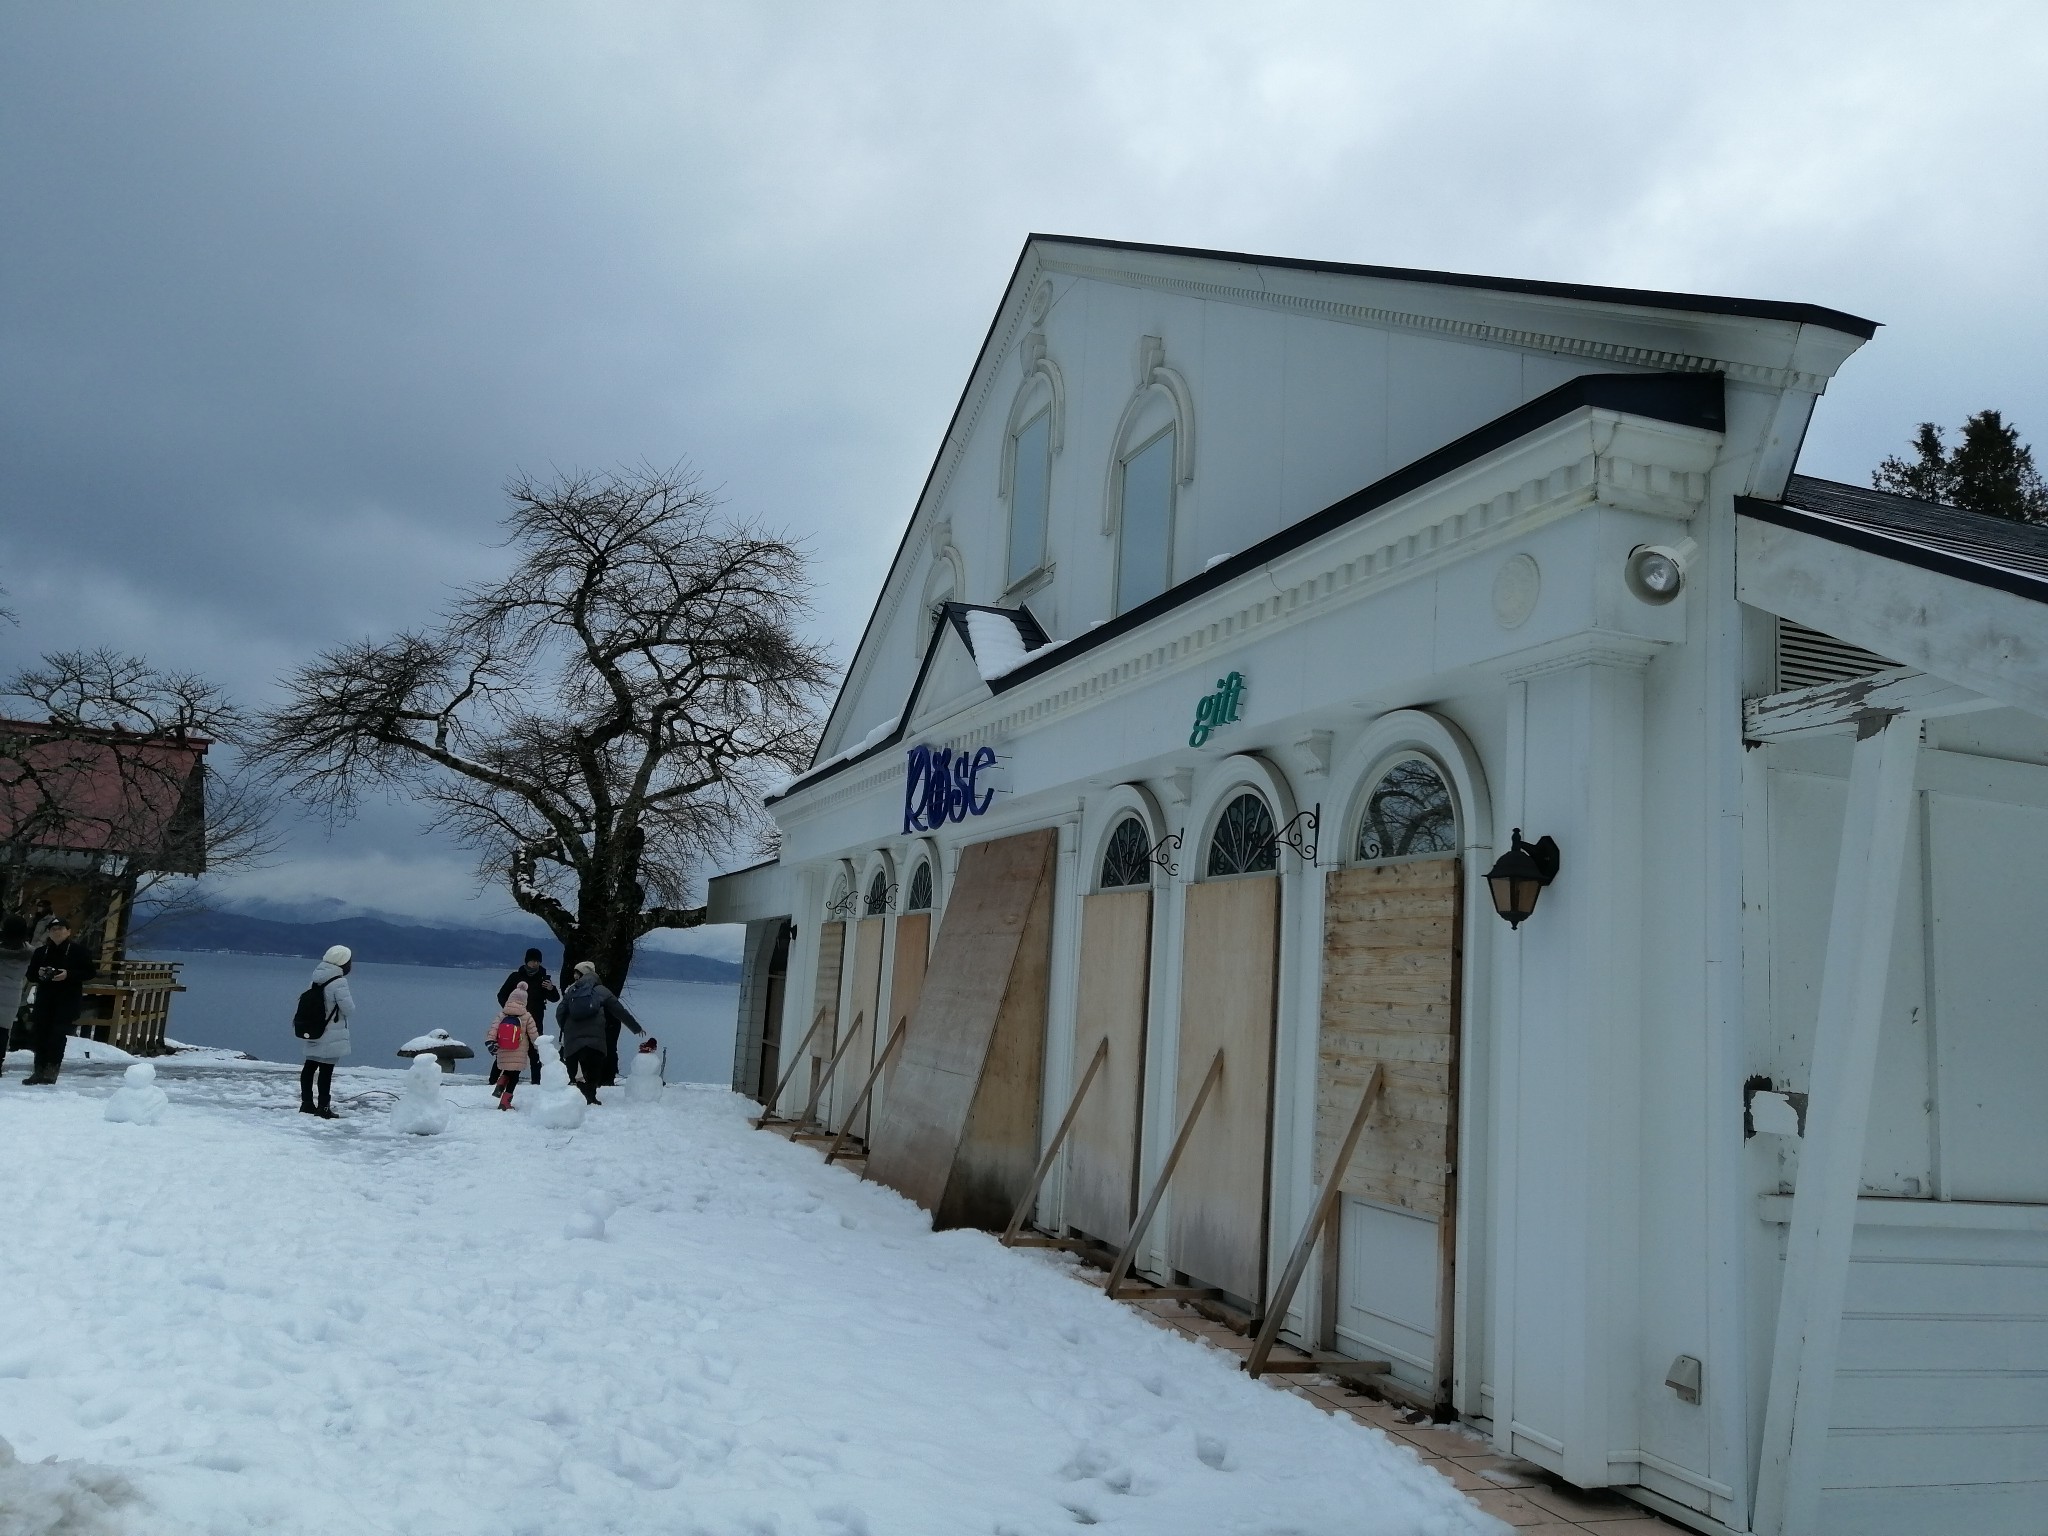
1990,471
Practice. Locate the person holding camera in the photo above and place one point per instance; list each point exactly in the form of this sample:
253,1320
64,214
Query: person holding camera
540,991
60,968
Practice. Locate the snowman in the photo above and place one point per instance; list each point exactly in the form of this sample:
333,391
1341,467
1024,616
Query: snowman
561,1106
138,1100
644,1085
420,1110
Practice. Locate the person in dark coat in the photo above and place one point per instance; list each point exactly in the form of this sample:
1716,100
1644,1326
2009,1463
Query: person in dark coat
60,968
588,1022
540,991
15,950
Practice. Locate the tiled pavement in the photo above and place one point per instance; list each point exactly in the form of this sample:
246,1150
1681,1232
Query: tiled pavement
1526,1497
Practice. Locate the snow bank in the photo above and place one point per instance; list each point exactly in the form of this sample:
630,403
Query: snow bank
269,1322
60,1498
998,648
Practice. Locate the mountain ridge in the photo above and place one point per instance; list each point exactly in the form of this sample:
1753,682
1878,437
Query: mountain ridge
379,940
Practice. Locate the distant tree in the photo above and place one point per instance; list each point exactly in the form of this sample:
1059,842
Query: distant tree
598,723
93,757
1990,471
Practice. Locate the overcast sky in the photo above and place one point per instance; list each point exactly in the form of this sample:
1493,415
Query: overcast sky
286,292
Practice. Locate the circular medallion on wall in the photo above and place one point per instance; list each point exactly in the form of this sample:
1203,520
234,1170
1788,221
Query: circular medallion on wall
1041,301
1516,586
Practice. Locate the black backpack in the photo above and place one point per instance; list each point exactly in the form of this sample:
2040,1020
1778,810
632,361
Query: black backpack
309,1019
579,1005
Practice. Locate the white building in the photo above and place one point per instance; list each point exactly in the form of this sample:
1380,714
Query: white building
1248,608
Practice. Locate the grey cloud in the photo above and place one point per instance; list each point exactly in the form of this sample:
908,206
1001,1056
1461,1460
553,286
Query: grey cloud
286,292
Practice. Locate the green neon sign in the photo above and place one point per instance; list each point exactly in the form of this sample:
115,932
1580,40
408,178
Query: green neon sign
1218,708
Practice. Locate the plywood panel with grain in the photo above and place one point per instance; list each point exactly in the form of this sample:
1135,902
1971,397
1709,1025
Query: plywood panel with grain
959,1132
1390,993
860,1047
824,1039
1102,1148
1228,969
906,984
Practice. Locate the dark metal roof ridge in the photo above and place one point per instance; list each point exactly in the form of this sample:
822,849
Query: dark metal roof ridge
1684,399
1894,546
1641,298
956,620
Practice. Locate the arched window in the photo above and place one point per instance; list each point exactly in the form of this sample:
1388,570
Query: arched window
1128,858
878,893
920,888
1408,812
1244,843
1030,495
1144,546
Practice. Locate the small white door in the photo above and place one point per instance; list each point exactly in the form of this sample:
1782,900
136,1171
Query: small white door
1388,1259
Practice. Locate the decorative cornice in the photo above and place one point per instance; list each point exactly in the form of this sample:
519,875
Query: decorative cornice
1440,325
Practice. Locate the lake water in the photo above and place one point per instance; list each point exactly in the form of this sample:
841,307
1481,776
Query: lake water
244,1002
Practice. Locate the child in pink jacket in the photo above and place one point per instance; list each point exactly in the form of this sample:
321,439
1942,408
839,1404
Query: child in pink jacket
510,1037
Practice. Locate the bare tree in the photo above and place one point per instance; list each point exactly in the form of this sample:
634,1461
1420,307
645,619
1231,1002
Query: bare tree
597,724
105,777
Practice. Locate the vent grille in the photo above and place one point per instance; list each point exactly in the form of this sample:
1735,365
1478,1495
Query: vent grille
1806,656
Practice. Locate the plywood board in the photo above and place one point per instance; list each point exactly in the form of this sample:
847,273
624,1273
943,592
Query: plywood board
1228,969
959,1133
824,1039
906,984
1102,1148
861,1047
1390,986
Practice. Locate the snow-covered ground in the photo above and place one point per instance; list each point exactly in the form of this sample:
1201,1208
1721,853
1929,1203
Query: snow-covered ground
243,1319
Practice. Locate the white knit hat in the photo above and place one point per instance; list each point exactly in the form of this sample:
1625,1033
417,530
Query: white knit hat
586,967
340,954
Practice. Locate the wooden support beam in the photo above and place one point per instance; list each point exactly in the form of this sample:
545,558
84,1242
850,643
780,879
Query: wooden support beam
1144,1292
1844,1066
768,1113
1319,1216
1326,1365
1125,1259
1040,1240
810,1115
1843,706
1052,1147
868,1087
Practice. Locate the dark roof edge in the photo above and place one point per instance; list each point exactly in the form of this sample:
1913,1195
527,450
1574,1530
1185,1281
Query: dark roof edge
748,869
1641,298
1894,546
930,475
1684,399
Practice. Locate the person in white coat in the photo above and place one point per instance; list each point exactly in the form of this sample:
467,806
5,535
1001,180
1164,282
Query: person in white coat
316,1077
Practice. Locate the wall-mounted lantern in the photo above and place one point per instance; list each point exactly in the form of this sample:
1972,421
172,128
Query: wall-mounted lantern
1519,875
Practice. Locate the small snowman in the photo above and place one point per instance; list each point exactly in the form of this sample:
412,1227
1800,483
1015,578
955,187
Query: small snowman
644,1085
561,1105
420,1110
138,1100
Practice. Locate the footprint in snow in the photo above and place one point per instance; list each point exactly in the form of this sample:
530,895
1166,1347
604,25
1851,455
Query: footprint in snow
844,1520
1211,1452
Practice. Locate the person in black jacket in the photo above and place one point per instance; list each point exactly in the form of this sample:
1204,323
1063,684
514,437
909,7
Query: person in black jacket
59,968
540,991
588,1022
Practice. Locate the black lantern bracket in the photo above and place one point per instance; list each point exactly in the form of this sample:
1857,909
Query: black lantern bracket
1299,832
844,908
1162,852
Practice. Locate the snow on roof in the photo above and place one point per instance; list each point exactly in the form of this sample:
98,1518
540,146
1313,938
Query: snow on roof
997,642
